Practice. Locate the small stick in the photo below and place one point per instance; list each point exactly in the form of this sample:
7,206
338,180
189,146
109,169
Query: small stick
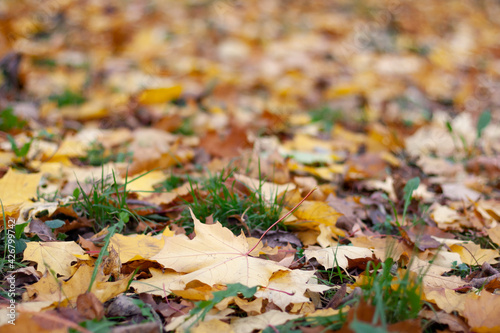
281,219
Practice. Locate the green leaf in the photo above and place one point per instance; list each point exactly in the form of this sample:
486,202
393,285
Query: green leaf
20,245
409,188
19,152
76,193
482,122
54,224
124,216
19,228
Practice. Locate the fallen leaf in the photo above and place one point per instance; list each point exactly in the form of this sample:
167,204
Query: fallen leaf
17,190
136,247
215,256
482,312
259,322
56,256
160,95
287,287
337,256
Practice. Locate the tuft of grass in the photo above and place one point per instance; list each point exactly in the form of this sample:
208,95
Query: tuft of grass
67,98
326,116
21,152
171,183
9,121
219,196
97,155
105,204
396,297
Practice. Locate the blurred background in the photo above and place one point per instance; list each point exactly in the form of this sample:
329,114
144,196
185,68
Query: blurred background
353,61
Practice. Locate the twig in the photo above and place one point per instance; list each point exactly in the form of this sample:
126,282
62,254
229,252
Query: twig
281,219
479,282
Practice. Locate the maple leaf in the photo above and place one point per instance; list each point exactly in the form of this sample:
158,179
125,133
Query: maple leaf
215,256
17,189
482,312
54,290
135,247
337,256
56,256
287,287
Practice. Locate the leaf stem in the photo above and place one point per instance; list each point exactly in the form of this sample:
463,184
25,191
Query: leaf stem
281,219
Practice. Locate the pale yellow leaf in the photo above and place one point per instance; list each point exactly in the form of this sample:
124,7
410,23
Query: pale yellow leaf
259,322
160,283
286,287
136,247
215,256
56,256
17,189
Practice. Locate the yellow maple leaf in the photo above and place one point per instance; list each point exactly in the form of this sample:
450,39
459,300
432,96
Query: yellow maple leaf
215,256
136,247
311,214
160,95
56,291
473,254
56,256
144,184
17,189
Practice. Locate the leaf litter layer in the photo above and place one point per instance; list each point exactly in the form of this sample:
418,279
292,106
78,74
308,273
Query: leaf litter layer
376,121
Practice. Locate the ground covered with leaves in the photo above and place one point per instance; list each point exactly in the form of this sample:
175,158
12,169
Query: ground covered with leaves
238,166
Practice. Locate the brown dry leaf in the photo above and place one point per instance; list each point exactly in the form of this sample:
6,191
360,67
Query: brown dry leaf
56,256
482,312
40,323
89,306
230,146
111,265
456,324
215,256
